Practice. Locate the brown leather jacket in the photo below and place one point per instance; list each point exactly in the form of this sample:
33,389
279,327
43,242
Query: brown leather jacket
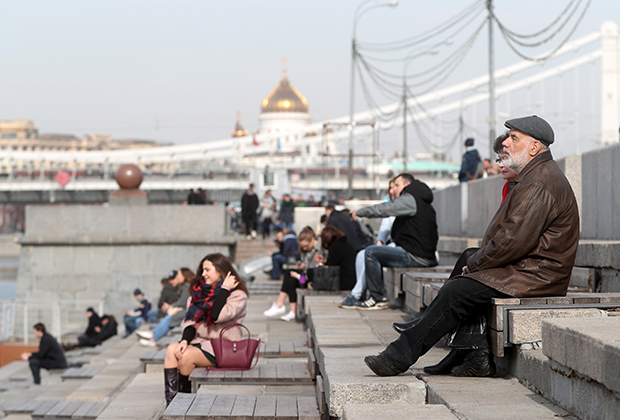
530,245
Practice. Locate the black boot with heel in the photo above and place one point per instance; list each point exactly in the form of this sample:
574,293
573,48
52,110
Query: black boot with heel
171,383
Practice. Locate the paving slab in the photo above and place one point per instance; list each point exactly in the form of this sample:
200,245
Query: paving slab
142,399
397,410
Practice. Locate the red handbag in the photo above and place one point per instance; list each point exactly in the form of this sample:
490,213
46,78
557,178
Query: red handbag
235,355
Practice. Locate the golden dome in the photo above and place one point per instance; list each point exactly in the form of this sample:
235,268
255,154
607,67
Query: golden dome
285,98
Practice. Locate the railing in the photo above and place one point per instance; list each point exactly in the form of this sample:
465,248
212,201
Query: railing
59,317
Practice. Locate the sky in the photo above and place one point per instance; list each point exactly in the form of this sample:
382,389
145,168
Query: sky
179,71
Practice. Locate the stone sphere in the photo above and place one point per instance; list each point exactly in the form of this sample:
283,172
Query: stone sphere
129,177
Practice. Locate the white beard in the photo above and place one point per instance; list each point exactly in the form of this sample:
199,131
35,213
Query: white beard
517,161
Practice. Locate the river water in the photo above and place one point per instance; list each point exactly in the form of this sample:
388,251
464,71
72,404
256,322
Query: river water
8,277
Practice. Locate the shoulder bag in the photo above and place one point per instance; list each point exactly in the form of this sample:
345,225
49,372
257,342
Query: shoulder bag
235,355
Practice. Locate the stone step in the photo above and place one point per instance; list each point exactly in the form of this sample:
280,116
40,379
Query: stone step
397,410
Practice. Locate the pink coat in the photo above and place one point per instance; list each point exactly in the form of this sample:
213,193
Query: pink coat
233,312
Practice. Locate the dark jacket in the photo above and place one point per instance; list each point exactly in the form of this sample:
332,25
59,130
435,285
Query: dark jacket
249,205
93,321
290,246
169,294
177,319
50,353
342,254
530,245
347,226
415,226
287,211
469,166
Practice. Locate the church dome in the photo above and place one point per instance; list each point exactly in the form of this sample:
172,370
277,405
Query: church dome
285,98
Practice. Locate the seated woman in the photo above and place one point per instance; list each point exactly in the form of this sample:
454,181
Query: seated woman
309,248
218,298
341,254
287,242
175,313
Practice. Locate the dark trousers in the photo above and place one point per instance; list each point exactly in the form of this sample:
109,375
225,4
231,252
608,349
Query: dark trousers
35,367
457,300
266,227
250,224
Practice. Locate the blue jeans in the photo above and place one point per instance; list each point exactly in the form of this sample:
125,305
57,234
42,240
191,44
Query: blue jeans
152,315
384,256
162,328
277,261
360,275
132,323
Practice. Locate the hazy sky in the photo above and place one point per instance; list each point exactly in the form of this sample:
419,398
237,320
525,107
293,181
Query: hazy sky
178,71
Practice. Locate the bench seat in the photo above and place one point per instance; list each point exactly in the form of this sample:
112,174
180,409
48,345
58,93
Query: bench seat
207,406
269,374
46,409
80,373
518,321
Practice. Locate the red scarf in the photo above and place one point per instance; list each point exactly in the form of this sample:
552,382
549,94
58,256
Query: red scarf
203,296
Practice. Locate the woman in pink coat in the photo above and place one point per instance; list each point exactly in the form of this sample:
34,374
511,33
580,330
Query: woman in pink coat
218,298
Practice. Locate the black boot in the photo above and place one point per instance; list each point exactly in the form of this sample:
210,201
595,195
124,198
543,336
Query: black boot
454,358
401,327
185,385
477,363
171,383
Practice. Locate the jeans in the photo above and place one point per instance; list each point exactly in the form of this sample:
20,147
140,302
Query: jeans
132,323
360,275
277,260
457,300
152,315
162,328
384,256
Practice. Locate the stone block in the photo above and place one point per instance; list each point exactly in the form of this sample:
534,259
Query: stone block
108,221
525,325
114,259
611,365
25,260
397,410
82,260
62,259
358,385
42,260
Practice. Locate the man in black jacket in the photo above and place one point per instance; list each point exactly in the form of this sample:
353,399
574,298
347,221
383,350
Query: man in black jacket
249,205
49,356
414,234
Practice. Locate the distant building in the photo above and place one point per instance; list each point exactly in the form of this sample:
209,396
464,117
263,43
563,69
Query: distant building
23,136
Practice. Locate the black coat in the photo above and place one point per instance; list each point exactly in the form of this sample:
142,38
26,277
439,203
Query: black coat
249,205
50,353
93,321
347,226
342,254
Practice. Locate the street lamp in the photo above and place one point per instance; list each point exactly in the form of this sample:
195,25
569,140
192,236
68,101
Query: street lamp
359,12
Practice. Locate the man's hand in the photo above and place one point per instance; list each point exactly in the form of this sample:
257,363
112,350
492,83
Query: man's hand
379,243
353,214
26,355
165,306
97,329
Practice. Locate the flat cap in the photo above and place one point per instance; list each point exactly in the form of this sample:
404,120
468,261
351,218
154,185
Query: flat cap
469,142
533,126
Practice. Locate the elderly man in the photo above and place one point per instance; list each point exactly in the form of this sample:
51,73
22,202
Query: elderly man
528,250
414,233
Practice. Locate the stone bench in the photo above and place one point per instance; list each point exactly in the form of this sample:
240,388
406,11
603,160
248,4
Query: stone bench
394,280
340,339
40,409
303,293
519,321
268,350
397,410
420,288
269,374
80,373
207,406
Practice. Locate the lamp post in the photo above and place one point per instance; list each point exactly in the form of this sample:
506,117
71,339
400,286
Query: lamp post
359,12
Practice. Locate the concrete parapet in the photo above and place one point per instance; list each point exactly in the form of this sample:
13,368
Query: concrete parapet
590,347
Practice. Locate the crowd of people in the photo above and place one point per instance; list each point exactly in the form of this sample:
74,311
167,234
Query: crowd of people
528,250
